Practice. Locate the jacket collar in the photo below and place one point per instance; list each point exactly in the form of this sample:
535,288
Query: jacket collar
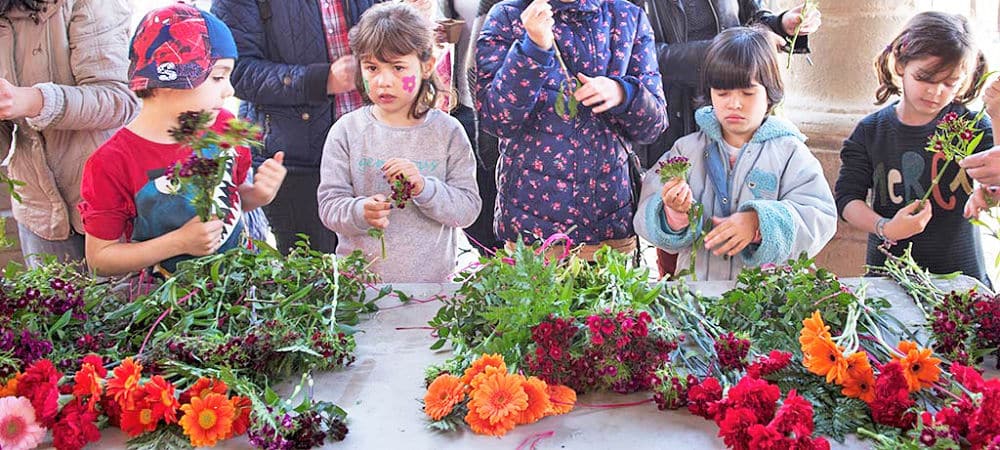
43,15
584,6
773,127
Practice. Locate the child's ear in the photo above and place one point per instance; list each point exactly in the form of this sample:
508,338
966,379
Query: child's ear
898,68
427,67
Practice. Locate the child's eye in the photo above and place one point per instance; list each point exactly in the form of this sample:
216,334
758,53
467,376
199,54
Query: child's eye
219,79
370,68
749,93
400,68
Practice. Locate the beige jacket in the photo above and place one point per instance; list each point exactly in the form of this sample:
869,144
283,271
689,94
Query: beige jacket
77,54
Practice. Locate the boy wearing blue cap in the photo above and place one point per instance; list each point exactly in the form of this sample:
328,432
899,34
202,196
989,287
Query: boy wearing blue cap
180,58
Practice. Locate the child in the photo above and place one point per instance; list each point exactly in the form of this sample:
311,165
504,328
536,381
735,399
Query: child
763,192
938,66
398,133
558,172
181,58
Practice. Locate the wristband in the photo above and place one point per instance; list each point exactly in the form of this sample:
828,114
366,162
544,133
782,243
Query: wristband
880,228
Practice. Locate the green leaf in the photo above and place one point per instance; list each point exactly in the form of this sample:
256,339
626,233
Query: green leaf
559,106
438,344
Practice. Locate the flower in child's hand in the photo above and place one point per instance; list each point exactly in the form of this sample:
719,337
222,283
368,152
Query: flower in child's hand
404,179
674,167
189,124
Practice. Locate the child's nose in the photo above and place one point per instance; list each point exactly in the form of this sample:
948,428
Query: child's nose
735,102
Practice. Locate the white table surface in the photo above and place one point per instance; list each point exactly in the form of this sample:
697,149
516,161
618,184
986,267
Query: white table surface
380,392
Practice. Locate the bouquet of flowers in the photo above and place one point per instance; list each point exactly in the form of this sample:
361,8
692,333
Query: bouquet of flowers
211,153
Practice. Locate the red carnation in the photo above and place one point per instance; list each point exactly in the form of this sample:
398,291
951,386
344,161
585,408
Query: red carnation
794,416
984,426
75,427
703,394
766,365
40,384
733,428
892,398
757,395
968,377
768,438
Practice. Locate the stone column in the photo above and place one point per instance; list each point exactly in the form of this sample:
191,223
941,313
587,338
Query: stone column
826,100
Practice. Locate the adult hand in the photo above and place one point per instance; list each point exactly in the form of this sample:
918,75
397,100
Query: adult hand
991,99
908,221
342,74
810,22
982,199
599,93
732,234
17,102
377,211
399,166
537,20
984,166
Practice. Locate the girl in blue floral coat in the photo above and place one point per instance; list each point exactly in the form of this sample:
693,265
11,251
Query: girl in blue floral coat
567,172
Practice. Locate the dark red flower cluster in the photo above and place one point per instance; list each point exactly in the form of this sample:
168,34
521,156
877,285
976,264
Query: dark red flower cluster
671,391
766,365
76,426
892,398
732,351
194,165
335,348
402,191
620,355
703,394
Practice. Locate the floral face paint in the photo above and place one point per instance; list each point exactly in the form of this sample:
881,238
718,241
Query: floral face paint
409,83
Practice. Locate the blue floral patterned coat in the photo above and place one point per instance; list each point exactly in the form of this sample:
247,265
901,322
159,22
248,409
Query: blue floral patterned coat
555,173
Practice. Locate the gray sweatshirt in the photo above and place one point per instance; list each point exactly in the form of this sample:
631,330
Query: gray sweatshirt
421,240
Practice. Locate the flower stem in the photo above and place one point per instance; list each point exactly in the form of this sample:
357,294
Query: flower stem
934,183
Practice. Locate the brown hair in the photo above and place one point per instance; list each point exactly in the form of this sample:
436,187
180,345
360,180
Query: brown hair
931,34
390,30
737,58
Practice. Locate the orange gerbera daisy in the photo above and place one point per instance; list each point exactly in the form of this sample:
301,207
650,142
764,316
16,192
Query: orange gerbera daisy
479,366
10,389
206,420
538,401
860,385
858,365
813,328
242,406
88,382
823,357
203,387
562,399
123,386
480,425
499,399
443,394
160,395
140,419
920,369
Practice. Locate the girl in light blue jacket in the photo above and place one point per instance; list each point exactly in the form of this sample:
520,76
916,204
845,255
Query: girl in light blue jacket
763,193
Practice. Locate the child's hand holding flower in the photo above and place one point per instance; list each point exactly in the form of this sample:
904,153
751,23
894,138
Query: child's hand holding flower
982,199
399,166
198,238
909,221
600,93
810,21
377,209
730,235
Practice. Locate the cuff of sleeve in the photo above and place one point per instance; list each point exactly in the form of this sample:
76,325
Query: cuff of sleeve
53,101
543,57
358,216
426,195
630,89
315,79
777,231
660,233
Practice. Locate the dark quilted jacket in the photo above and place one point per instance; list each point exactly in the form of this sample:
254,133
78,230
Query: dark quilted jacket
281,72
558,175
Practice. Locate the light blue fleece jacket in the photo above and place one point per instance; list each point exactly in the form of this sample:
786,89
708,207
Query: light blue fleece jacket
775,175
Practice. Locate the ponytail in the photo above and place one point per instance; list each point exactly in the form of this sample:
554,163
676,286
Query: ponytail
885,70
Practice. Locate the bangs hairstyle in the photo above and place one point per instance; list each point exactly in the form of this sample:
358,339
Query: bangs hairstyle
737,58
932,34
387,31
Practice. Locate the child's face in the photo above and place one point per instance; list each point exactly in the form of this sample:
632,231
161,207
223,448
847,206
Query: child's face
393,85
926,93
740,111
210,95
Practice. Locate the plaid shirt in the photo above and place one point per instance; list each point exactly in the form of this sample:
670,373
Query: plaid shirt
335,27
